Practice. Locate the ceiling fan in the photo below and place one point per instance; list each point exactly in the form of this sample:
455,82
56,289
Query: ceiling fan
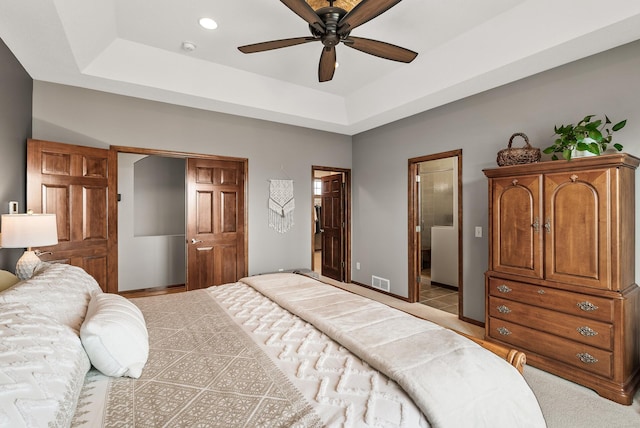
332,25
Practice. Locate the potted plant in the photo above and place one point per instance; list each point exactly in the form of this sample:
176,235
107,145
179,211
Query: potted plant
588,136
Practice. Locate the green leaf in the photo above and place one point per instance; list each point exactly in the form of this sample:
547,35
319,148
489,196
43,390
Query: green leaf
618,126
594,148
549,150
566,154
582,146
554,157
618,147
596,135
607,120
588,118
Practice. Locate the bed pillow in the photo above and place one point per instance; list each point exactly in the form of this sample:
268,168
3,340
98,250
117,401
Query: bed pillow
7,279
42,369
115,337
59,291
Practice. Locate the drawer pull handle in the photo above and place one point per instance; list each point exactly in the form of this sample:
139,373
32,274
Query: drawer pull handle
587,358
503,289
547,225
503,309
536,225
587,306
541,291
586,331
504,331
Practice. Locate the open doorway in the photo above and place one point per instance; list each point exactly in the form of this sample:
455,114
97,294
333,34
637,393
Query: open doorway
183,217
331,218
435,216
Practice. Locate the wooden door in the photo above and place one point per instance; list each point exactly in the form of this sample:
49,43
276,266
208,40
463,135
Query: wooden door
215,222
517,225
72,182
333,227
577,225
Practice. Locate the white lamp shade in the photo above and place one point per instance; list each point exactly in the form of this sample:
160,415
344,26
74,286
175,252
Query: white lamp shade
28,230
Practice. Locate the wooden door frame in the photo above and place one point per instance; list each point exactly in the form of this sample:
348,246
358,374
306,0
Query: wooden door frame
347,215
112,248
414,245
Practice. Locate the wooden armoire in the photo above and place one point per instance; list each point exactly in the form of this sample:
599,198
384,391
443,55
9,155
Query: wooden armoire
561,279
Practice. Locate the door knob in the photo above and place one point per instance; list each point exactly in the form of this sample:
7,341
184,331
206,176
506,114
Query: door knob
195,241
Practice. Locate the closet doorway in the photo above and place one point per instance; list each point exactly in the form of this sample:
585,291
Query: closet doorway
330,222
435,222
181,219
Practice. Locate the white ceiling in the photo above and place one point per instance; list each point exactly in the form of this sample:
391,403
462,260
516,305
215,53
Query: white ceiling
133,47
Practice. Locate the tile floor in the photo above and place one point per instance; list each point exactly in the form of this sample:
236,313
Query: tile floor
437,297
434,296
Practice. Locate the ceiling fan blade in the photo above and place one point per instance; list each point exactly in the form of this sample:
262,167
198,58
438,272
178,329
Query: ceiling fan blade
380,49
364,11
306,12
327,64
275,44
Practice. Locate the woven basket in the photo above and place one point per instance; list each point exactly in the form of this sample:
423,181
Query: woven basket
517,156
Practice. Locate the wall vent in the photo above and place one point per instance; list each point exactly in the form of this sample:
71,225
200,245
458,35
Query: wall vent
380,283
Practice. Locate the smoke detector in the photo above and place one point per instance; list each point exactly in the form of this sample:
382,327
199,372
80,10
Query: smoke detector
188,46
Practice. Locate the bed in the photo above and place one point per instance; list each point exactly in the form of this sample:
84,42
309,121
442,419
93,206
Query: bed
280,350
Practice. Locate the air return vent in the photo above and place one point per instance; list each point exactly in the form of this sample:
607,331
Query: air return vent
380,283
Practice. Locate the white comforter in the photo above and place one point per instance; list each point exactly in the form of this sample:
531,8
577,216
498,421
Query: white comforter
454,381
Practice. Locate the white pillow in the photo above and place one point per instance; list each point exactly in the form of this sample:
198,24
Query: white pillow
42,369
115,336
59,291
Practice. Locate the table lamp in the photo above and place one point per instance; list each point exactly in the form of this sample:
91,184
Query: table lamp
26,231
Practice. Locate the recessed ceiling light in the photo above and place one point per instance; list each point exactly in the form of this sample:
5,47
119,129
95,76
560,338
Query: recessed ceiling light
208,23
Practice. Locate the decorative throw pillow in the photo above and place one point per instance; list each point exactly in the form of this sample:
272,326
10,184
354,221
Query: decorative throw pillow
115,336
59,291
7,279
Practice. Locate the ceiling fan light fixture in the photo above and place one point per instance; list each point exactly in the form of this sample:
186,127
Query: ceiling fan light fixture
208,23
342,4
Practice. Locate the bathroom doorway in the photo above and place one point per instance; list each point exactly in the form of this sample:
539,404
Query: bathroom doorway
435,218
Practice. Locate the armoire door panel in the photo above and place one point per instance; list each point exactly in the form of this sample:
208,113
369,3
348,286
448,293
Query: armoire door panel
517,226
577,241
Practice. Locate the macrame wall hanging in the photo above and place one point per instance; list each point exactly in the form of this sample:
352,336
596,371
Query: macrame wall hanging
281,205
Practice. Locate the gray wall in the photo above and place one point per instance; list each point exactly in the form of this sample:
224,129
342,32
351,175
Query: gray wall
155,260
16,88
159,196
481,125
92,118
608,83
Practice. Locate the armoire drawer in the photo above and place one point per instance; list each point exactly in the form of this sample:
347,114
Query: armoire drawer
580,329
576,354
582,305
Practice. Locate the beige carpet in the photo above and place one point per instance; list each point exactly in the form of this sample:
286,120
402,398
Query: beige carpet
564,404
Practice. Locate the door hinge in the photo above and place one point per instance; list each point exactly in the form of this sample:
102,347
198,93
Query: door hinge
342,263
417,179
418,229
